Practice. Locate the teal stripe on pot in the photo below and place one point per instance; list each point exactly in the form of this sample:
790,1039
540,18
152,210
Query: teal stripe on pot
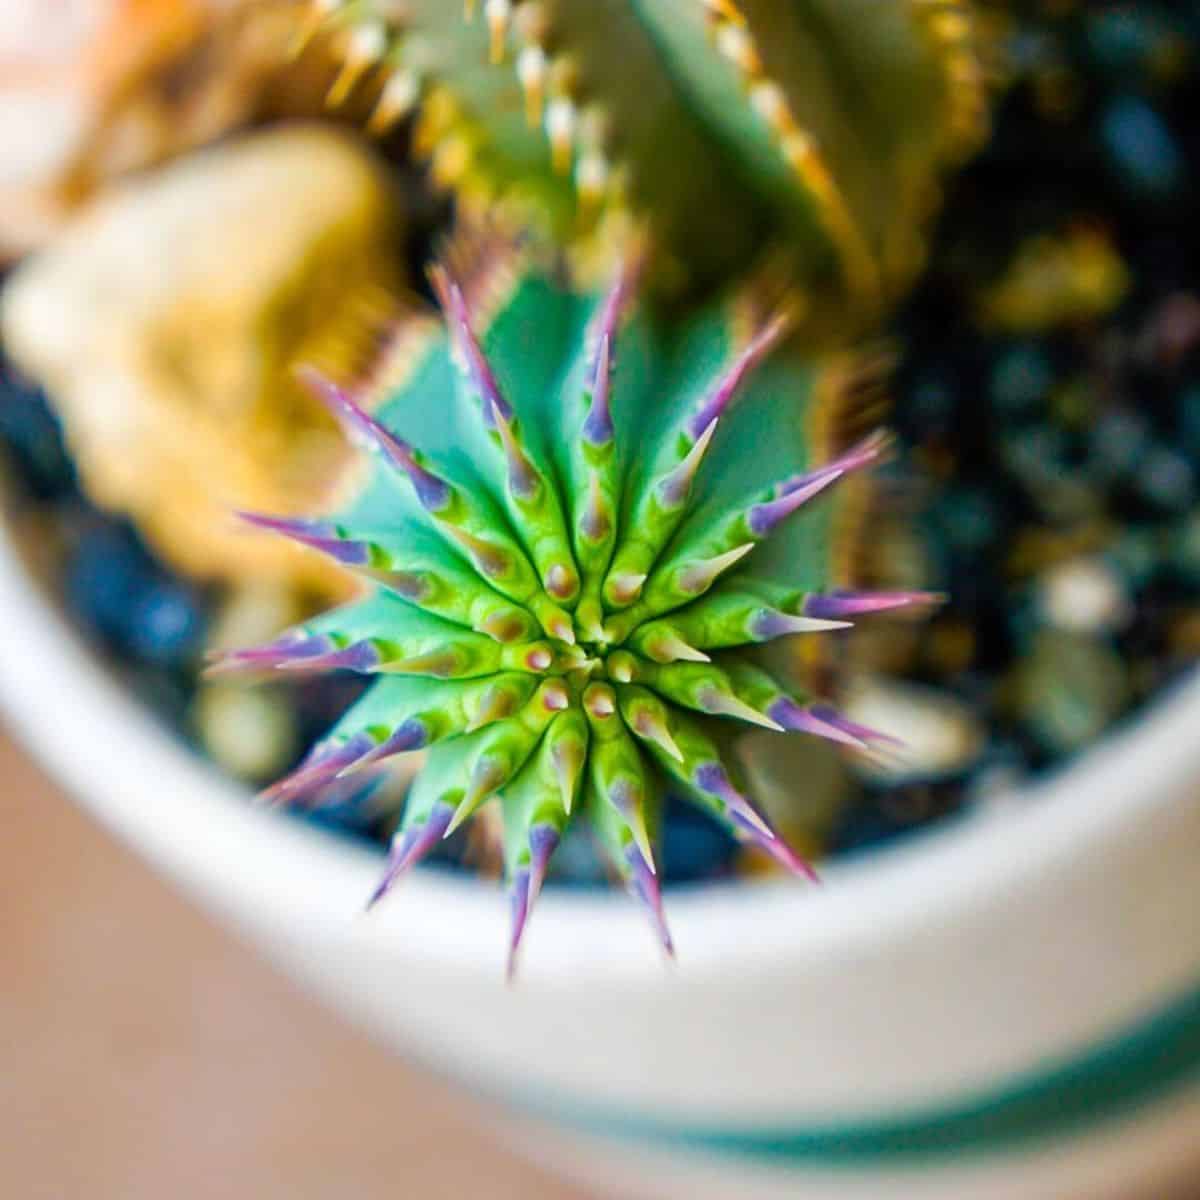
1114,1078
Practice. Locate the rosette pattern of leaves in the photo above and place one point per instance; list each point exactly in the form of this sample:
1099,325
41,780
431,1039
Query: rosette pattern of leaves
596,546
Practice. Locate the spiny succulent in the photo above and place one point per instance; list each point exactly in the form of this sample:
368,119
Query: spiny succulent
723,125
589,569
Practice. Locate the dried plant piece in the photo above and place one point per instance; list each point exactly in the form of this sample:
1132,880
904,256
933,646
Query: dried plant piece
166,324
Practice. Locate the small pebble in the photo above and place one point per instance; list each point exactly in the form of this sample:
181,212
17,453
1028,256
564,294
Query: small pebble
1168,481
1141,148
1084,595
167,624
940,736
1070,688
247,729
1021,379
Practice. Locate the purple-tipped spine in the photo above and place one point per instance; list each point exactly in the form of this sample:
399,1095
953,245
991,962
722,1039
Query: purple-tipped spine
362,657
764,518
718,400
410,735
862,454
458,318
864,733
409,847
836,605
321,766
800,719
320,535
292,650
433,493
645,888
712,778
598,424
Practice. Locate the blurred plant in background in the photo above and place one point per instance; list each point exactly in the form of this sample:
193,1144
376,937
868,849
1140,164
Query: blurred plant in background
719,128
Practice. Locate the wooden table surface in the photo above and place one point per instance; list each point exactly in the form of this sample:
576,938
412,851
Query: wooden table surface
145,1053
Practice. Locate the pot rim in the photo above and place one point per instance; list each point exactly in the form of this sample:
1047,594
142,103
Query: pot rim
99,740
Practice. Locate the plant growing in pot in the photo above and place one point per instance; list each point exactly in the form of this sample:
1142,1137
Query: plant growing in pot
833,1035
562,622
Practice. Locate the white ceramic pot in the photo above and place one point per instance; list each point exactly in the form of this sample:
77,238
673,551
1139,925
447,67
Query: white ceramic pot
1005,1007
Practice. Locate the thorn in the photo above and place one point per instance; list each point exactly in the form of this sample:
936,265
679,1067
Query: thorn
830,715
519,905
722,394
769,623
411,735
454,305
870,450
598,424
726,704
543,841
320,535
309,27
626,586
675,487
531,73
651,726
855,603
498,14
398,98
736,44
664,646
644,886
409,847
567,760
767,98
367,45
592,174
322,765
699,576
560,126
440,664
627,800
805,720
366,432
491,561
523,480
361,657
290,647
778,849
713,779
487,776
494,705
726,9
764,518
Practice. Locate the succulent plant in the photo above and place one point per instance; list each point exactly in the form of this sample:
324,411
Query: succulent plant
723,125
591,574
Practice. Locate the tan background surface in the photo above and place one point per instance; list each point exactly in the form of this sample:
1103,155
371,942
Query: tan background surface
146,1054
